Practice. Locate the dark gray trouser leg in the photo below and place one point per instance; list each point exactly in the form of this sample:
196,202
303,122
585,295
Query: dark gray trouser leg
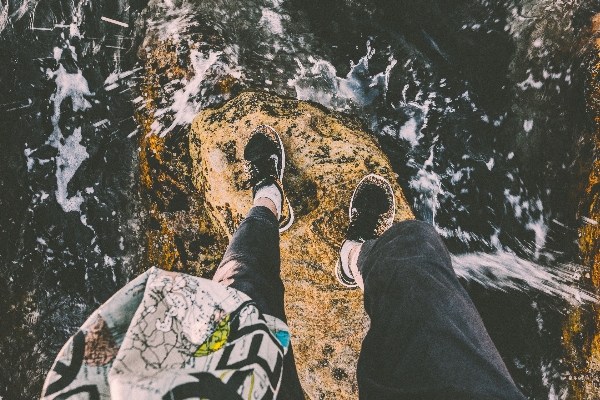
426,339
251,265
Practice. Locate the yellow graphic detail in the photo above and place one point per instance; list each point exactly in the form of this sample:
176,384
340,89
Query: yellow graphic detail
216,340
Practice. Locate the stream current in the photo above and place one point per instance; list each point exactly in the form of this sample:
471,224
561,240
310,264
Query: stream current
479,105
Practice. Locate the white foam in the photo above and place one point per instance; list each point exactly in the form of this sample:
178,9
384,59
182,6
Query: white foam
552,75
410,132
539,227
185,107
70,156
111,87
70,151
589,221
458,233
273,20
102,122
174,21
515,202
3,16
30,160
359,88
113,21
112,78
428,184
109,261
504,270
528,125
530,83
327,87
74,86
132,134
495,239
530,212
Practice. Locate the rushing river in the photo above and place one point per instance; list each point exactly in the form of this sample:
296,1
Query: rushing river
480,106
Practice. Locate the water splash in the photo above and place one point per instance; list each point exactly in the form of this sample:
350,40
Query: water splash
183,98
530,212
358,89
185,105
70,156
504,270
172,22
71,153
428,186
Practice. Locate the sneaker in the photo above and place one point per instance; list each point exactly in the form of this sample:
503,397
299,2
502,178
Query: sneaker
371,212
265,163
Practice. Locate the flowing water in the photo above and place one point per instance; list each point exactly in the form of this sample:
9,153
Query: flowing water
479,105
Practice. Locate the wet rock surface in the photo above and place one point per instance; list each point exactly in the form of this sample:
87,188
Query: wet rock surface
327,153
581,327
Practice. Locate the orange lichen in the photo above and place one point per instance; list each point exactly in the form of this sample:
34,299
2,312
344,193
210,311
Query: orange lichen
227,83
161,249
164,173
581,328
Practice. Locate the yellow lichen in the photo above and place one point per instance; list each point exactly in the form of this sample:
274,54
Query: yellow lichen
163,171
581,329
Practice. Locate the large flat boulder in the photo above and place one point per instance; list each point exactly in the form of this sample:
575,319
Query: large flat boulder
327,153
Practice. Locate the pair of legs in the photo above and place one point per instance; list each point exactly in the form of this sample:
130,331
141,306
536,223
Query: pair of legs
426,339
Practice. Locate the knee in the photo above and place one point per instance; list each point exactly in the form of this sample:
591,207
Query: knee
412,231
413,238
412,227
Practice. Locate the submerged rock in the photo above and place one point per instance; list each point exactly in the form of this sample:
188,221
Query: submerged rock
327,153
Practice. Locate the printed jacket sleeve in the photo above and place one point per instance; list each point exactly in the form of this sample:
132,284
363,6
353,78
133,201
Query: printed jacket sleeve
167,335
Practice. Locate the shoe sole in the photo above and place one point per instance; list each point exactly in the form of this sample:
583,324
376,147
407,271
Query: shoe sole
338,265
341,278
290,221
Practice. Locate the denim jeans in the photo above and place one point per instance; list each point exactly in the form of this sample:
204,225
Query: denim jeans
426,339
251,265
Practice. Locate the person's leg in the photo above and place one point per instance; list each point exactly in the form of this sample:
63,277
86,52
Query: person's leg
426,338
251,263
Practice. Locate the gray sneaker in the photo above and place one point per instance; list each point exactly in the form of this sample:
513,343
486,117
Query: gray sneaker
265,163
371,212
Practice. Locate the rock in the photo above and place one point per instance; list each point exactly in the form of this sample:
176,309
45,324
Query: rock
180,235
327,153
581,327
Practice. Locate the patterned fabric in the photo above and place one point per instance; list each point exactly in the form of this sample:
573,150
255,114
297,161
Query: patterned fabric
167,335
